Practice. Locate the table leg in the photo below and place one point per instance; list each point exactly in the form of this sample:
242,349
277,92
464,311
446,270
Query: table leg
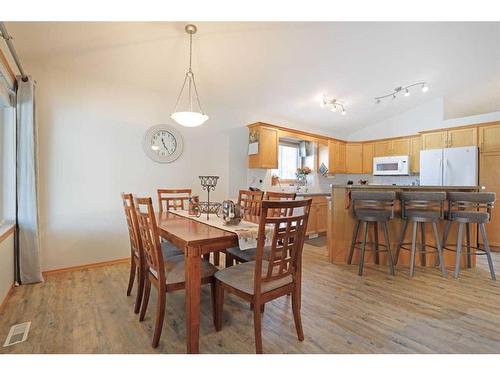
193,289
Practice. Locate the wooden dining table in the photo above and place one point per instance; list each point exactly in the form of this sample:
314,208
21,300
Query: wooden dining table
195,239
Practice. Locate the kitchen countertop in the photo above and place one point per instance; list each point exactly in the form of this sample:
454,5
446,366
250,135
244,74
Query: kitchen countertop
412,187
313,194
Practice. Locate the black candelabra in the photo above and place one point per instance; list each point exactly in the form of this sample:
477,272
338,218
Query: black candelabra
208,183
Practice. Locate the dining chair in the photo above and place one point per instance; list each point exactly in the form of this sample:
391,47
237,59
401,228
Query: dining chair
173,199
135,250
273,275
235,254
166,275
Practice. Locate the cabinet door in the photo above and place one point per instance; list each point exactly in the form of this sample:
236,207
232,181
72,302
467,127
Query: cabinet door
434,140
462,137
342,151
490,178
312,223
322,219
354,158
400,147
489,138
383,148
368,152
267,156
415,147
333,156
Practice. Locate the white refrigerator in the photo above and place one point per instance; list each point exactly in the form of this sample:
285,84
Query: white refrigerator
457,166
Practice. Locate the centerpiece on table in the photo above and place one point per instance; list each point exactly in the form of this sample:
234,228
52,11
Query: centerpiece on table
302,175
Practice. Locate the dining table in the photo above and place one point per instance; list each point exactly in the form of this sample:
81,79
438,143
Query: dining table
196,239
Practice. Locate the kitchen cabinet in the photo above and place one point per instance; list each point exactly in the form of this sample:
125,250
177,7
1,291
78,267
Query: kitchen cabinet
490,179
415,148
267,155
450,138
434,140
318,216
354,158
368,153
399,146
337,157
489,138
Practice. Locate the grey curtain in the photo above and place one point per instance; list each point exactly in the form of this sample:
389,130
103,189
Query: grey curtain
28,244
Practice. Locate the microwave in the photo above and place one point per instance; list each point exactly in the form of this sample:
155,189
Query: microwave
391,165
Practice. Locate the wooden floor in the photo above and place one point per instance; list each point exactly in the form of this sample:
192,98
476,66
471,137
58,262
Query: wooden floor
87,311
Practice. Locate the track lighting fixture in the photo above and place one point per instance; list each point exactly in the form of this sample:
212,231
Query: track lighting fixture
333,104
405,90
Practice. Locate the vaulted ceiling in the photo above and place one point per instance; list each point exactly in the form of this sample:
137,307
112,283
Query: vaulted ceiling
279,69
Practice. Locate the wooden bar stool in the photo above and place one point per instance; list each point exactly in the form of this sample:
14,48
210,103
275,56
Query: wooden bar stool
421,208
465,209
372,207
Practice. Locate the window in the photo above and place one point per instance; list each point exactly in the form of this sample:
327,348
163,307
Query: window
288,161
7,163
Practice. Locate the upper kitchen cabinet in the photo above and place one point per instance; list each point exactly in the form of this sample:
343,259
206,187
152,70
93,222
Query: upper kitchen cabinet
399,146
263,147
489,138
354,158
415,148
450,138
337,156
368,153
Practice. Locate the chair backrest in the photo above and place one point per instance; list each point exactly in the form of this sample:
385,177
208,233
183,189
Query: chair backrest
133,232
280,196
471,201
377,200
174,199
286,234
150,238
422,200
250,201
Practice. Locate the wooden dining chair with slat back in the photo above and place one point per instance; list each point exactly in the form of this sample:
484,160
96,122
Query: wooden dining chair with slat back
166,275
136,262
274,273
173,199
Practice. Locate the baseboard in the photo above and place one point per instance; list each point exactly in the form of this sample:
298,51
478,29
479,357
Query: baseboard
7,296
86,266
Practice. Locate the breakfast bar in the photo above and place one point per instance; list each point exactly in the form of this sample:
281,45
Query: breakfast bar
341,226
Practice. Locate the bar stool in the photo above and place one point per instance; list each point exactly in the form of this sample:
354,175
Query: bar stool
372,207
421,208
465,209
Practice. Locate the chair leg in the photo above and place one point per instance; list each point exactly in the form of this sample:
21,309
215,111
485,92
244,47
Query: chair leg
439,249
390,261
401,240
145,300
213,295
459,248
296,314
216,258
446,231
353,242
413,248
375,238
160,315
140,291
422,245
488,251
257,322
467,239
131,277
363,245
219,306
229,260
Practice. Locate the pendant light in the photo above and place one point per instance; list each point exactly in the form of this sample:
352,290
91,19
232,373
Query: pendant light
189,118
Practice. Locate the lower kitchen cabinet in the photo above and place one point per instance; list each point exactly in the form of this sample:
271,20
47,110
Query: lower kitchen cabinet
490,179
318,216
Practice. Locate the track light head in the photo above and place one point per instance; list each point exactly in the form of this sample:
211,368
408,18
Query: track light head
425,88
407,93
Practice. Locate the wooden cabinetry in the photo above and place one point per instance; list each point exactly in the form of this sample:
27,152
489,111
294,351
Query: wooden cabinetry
337,157
368,153
450,138
354,158
415,148
382,148
267,156
318,216
489,177
489,138
400,146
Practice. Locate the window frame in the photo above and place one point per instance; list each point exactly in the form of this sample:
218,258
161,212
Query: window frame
299,160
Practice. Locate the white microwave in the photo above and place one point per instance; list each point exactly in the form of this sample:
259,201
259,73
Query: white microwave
391,166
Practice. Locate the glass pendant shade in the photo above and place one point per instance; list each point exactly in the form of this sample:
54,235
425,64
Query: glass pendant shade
189,119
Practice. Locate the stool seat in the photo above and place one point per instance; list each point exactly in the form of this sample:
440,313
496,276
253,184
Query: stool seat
470,216
374,214
427,214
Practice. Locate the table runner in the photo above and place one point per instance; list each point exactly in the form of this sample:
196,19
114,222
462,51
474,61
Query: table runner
246,231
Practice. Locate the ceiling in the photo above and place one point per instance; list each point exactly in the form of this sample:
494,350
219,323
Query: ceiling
281,69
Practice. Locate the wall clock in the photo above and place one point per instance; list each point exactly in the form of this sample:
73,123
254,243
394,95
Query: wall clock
162,143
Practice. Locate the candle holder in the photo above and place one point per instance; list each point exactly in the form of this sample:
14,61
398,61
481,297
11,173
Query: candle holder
208,183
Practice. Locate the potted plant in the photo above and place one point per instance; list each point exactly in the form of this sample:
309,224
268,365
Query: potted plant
302,175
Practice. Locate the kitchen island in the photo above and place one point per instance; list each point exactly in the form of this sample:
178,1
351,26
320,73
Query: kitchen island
341,227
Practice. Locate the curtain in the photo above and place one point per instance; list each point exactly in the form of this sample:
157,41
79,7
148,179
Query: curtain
28,241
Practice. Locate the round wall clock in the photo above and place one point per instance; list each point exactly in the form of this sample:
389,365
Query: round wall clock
162,143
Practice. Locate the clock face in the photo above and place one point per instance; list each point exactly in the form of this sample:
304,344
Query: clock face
163,143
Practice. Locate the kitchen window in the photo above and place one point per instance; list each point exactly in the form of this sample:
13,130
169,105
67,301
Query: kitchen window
7,164
288,160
